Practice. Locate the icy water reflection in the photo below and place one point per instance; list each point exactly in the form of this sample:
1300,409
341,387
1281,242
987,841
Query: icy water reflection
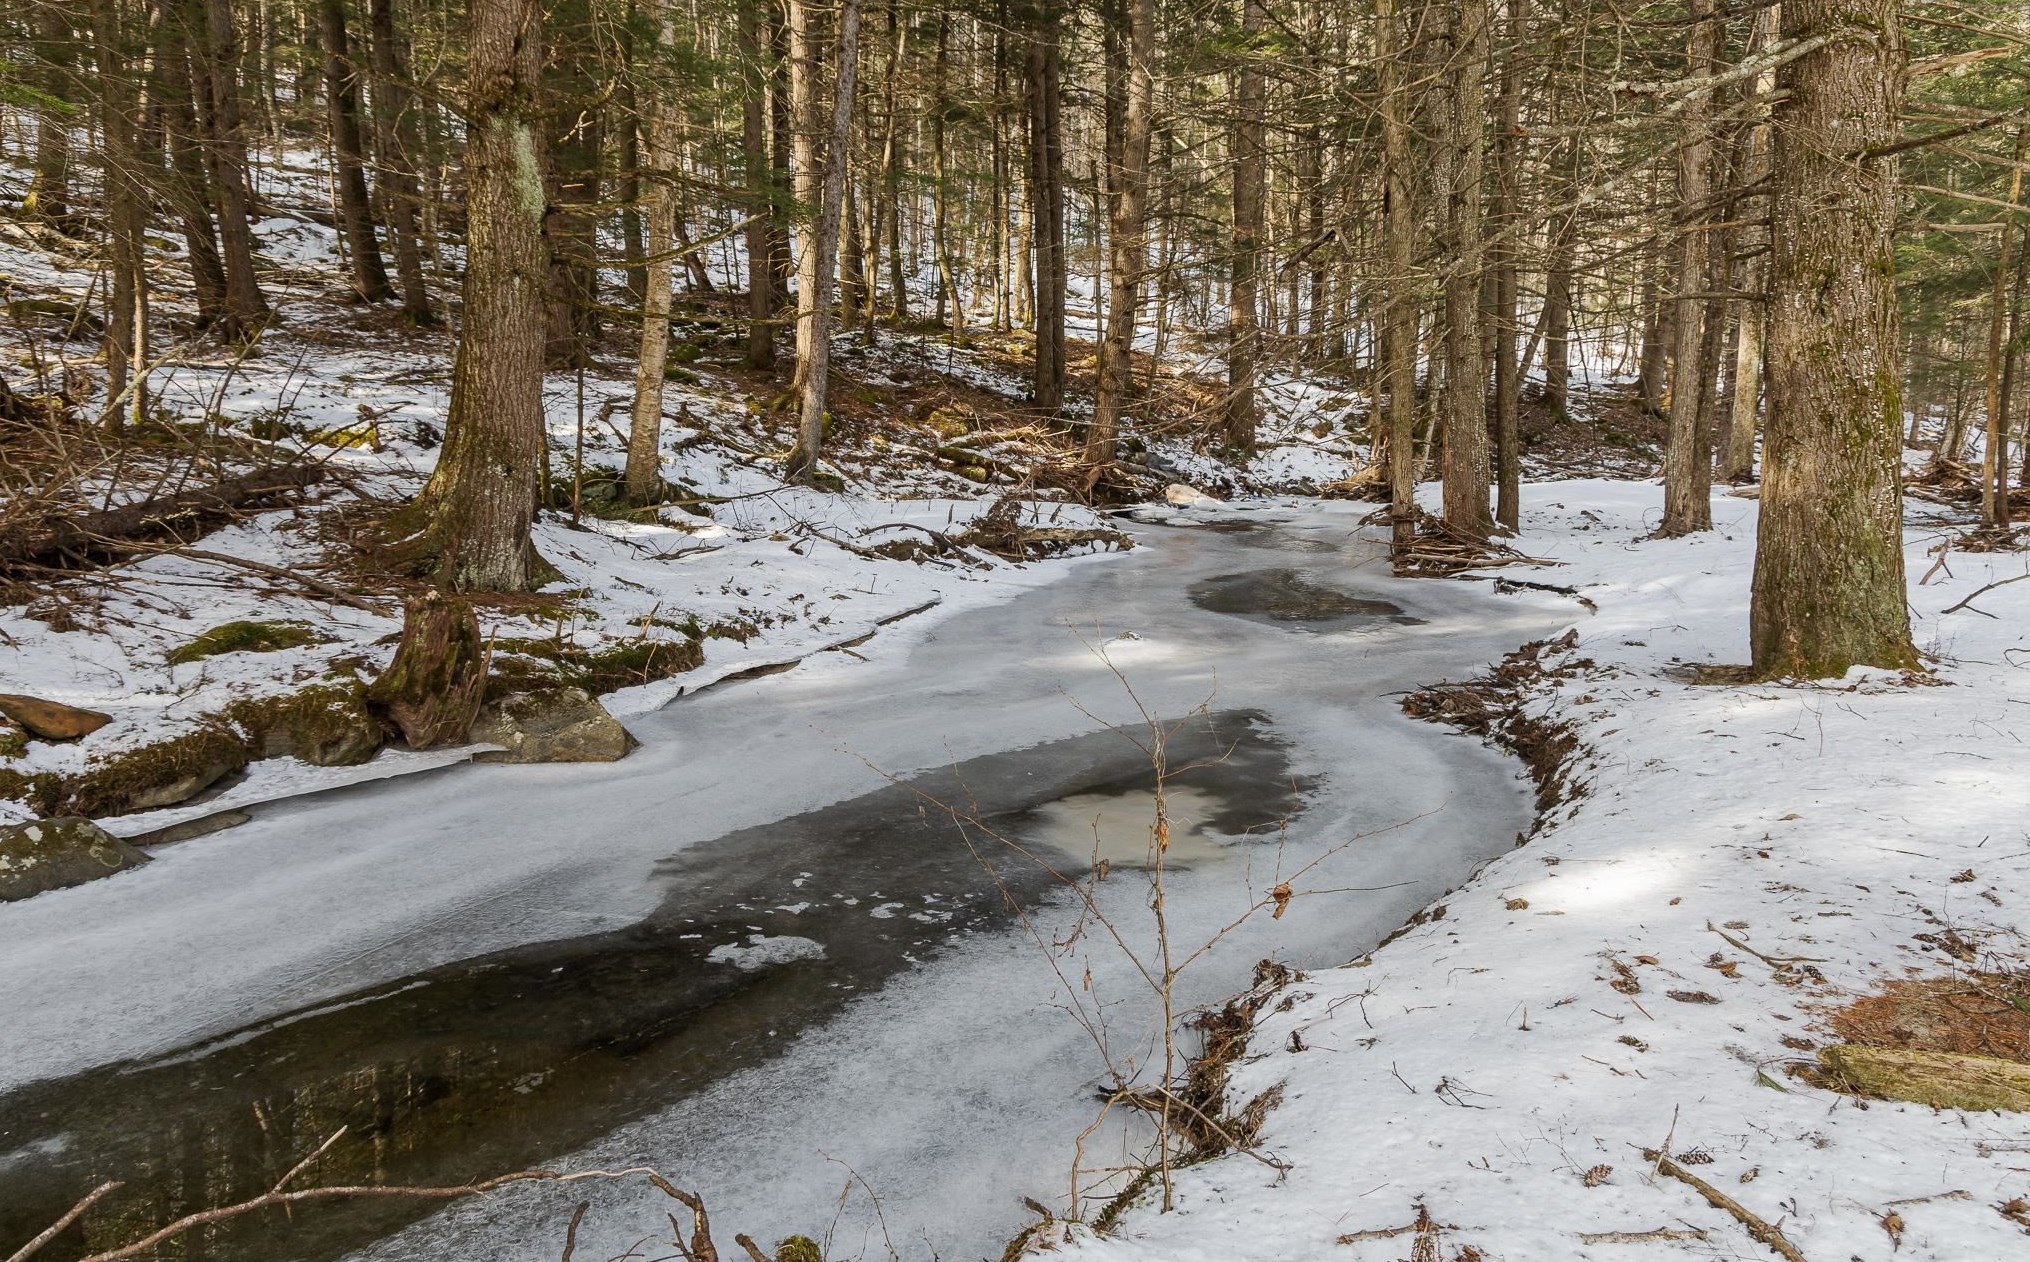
500,1062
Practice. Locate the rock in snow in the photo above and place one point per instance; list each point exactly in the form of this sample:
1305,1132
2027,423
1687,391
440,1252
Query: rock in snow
51,720
1188,496
52,854
553,725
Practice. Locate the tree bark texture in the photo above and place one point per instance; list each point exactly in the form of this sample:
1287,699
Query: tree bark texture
1127,236
1688,455
824,191
1829,582
470,526
348,146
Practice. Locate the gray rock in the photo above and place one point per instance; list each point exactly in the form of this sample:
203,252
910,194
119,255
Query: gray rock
560,724
53,854
203,769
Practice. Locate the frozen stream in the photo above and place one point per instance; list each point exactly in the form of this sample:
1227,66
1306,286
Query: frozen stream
756,954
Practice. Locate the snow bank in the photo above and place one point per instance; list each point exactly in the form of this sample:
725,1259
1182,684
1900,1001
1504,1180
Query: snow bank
1644,975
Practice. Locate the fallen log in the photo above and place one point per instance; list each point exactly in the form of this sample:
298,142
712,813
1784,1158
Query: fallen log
118,532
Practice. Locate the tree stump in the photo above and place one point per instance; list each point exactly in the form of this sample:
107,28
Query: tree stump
431,692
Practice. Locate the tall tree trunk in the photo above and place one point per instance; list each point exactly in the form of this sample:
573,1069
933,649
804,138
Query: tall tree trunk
1508,225
1688,456
759,177
48,198
470,526
644,474
127,301
396,145
628,97
889,229
1995,467
574,90
348,146
246,310
1558,287
1397,342
1127,238
1046,206
1737,463
825,193
185,184
1250,167
1465,461
1829,587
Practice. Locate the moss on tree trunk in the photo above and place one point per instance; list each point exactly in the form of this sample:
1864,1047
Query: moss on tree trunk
1829,585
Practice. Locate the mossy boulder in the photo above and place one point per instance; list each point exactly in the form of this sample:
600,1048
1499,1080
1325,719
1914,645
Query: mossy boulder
526,665
244,637
54,854
325,725
557,724
154,776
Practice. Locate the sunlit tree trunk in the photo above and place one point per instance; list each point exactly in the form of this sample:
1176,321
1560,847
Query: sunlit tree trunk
823,191
1127,237
469,528
644,473
1688,458
1829,585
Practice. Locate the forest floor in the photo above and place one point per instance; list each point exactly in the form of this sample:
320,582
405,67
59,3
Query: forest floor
1746,909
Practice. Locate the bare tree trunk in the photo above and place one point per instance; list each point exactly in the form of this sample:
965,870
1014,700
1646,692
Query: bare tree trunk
1127,238
1688,457
574,89
887,229
348,146
644,474
1465,450
127,314
824,192
1829,586
186,185
246,311
48,198
1250,167
1508,224
761,194
1046,207
1737,462
395,147
1995,468
1397,334
470,526
1558,290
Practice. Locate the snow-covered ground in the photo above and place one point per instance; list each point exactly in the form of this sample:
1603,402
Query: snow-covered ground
1602,990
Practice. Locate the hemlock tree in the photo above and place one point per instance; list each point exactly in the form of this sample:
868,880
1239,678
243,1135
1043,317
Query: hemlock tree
470,525
823,193
1829,587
